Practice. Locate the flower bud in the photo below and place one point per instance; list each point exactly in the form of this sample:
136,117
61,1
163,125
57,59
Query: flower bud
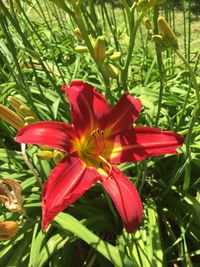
57,156
78,34
26,111
169,38
45,155
100,49
30,119
158,39
11,117
147,23
81,49
115,56
111,71
8,229
59,3
15,103
142,4
21,107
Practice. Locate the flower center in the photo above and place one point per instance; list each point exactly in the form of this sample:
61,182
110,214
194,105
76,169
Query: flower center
91,149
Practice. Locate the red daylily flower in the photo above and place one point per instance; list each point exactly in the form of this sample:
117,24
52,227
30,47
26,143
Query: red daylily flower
98,137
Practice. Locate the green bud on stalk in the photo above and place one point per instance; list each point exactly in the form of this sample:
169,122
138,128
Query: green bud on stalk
100,49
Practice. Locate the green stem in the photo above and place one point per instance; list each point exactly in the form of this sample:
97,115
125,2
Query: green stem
81,24
193,78
188,93
127,9
133,31
193,120
159,66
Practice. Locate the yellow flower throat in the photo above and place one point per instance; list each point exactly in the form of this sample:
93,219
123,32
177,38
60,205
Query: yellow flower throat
90,150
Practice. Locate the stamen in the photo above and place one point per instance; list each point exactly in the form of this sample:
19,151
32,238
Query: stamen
98,140
103,141
96,144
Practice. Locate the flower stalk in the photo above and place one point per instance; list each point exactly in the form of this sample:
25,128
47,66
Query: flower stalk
133,27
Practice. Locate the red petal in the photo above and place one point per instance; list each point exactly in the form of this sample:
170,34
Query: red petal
54,134
88,107
125,197
123,114
68,181
140,143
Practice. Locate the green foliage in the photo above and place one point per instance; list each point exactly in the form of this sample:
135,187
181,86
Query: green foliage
37,55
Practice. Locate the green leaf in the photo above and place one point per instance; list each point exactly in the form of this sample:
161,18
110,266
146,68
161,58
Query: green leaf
113,254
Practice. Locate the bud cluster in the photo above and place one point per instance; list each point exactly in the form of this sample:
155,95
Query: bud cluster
101,55
22,114
47,154
166,39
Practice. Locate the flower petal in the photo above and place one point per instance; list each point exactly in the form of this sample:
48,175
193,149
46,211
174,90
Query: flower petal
54,134
123,115
68,181
125,197
88,107
140,143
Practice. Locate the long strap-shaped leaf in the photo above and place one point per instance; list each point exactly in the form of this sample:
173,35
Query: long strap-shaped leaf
113,254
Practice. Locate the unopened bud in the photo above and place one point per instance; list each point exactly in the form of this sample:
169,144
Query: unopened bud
21,107
149,3
142,4
115,56
11,117
15,102
59,3
26,111
100,49
78,34
111,71
45,155
57,156
8,229
158,39
81,49
147,23
30,119
168,35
